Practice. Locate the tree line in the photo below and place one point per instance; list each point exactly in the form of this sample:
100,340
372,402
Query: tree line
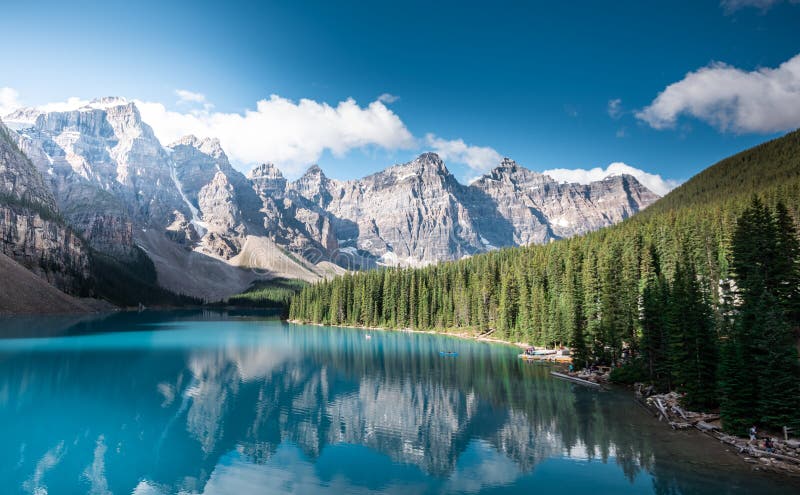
698,294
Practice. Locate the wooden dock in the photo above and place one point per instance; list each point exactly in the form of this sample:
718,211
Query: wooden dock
551,358
580,381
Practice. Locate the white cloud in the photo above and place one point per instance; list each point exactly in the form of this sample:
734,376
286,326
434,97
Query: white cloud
72,103
731,6
765,100
654,182
478,158
290,134
615,108
186,96
388,98
9,101
295,134
192,99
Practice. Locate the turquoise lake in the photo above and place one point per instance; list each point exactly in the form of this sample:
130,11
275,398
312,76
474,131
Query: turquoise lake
238,403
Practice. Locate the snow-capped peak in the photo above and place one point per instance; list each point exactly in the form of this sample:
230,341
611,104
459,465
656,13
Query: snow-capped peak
22,117
106,102
209,146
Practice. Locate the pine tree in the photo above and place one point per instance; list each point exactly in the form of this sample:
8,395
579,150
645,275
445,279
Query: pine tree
523,321
693,347
788,263
613,322
507,306
779,388
763,262
737,383
655,334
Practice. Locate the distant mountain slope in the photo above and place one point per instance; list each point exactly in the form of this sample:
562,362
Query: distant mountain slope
36,235
418,213
202,222
116,184
583,289
23,292
540,209
32,231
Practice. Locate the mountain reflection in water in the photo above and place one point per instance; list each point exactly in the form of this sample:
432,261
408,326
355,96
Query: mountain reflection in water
214,403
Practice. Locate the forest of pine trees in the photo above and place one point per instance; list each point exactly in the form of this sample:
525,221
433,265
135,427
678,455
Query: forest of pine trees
700,292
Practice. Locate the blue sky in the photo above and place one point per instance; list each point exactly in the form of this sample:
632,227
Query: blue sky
533,81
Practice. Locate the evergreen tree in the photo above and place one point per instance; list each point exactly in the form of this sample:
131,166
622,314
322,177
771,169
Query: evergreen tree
788,263
737,386
655,335
507,306
778,372
693,347
764,261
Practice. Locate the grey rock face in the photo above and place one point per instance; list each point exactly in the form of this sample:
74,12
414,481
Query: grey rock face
315,187
113,149
44,246
540,209
113,181
407,214
182,231
106,168
31,232
19,178
268,181
417,213
225,206
221,213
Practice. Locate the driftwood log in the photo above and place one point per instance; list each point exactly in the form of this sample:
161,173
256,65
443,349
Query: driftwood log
784,458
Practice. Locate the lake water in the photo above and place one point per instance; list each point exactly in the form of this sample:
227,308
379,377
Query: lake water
220,403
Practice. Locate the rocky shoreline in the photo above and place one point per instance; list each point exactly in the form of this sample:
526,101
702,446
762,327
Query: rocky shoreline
782,457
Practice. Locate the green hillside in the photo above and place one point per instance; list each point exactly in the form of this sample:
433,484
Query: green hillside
771,166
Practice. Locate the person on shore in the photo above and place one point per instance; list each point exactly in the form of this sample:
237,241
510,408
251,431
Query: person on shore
752,434
769,446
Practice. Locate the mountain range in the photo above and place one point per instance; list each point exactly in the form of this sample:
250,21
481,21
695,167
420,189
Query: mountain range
95,183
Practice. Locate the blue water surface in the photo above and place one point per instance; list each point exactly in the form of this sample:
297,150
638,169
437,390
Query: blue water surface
242,403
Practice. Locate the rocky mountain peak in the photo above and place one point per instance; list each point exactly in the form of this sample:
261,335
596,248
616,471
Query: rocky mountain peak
107,102
187,140
211,146
314,186
427,167
267,179
208,146
265,171
511,172
314,171
508,164
22,117
431,162
30,230
125,114
19,178
26,116
116,180
621,178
